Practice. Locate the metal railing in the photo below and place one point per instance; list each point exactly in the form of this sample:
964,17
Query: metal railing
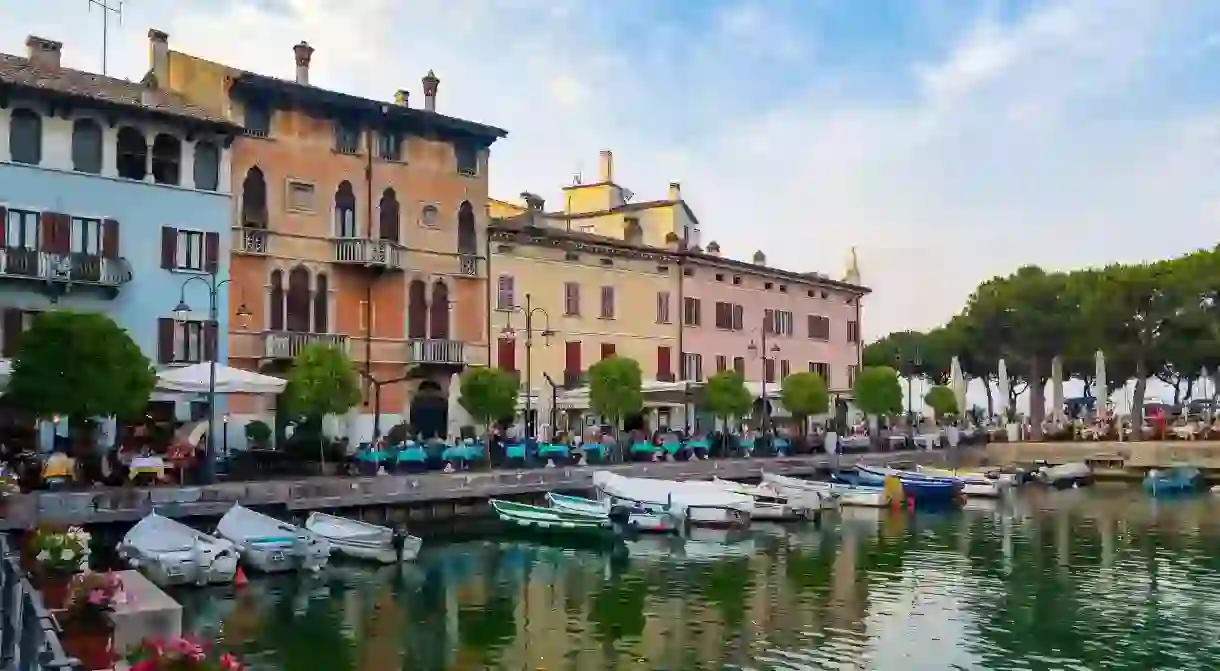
29,634
80,268
468,264
381,253
253,241
436,351
286,344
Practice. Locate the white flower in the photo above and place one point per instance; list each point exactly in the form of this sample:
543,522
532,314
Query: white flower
68,554
84,567
43,556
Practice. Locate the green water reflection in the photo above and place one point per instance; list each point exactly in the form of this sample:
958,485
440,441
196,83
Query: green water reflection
1100,579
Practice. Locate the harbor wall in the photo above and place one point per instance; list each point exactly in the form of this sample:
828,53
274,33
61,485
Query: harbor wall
1139,456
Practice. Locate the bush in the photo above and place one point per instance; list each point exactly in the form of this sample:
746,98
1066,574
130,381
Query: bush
258,434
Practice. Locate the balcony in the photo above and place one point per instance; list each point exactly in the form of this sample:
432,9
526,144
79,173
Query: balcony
468,264
286,345
253,241
450,352
17,263
573,379
381,254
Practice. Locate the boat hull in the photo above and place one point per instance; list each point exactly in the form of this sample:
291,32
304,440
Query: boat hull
921,488
698,504
361,540
546,519
1175,481
270,545
843,494
171,553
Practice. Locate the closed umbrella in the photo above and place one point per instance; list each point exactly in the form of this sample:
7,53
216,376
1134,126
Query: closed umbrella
1002,389
1101,389
957,380
458,417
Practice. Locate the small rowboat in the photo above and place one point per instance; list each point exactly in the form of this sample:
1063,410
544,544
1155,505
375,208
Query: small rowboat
842,493
772,504
536,517
361,540
272,546
171,553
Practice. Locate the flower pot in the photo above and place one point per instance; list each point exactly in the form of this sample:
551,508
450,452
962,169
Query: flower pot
56,589
93,646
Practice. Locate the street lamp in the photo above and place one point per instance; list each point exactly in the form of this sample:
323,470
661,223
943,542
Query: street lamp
182,312
754,350
508,332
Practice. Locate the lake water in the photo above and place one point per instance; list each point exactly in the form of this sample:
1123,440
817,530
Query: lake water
1103,578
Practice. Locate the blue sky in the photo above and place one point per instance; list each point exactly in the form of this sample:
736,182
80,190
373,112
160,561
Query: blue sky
950,140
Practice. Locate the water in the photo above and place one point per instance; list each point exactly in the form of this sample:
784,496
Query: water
1085,579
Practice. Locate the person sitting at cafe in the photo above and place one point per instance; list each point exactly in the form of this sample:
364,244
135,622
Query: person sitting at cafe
59,470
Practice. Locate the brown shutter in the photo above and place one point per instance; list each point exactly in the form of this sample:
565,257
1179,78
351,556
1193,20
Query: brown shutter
664,361
11,331
169,247
63,234
211,252
110,238
209,341
571,357
165,340
3,226
607,350
47,230
506,354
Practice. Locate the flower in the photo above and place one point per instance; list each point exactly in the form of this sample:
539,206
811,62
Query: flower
180,654
43,556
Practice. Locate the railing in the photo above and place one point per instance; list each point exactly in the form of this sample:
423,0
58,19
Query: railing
468,264
286,344
73,267
420,350
573,379
29,635
253,241
380,253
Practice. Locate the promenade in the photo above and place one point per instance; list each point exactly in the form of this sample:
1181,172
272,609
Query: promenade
128,504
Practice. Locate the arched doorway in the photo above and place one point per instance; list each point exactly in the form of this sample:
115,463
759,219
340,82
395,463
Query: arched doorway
430,411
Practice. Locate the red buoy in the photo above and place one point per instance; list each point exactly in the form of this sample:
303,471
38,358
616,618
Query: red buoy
240,579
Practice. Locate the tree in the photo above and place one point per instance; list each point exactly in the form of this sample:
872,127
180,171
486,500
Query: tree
805,394
81,366
725,395
614,388
942,401
489,394
878,392
322,382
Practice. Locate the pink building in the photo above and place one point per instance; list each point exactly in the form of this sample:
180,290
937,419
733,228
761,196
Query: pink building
812,322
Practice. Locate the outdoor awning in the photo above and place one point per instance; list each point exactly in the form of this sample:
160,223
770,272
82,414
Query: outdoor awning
193,379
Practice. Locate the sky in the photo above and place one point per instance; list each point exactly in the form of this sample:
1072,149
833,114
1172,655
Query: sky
948,140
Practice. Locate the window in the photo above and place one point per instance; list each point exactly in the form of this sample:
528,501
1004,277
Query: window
819,327
767,286
738,318
571,298
428,216
387,211
189,255
692,367
22,230
783,369
347,139
737,280
607,303
851,376
662,307
258,120
300,196
769,370
131,159
207,166
25,136
13,322
321,304
778,322
504,293
167,159
467,157
389,146
189,341
722,363
467,236
608,350
728,316
739,365
691,312
345,211
86,236
86,146
853,331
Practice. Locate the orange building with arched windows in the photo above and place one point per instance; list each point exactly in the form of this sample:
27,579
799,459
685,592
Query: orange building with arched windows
357,222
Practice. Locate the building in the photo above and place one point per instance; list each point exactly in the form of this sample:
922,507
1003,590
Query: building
358,222
113,195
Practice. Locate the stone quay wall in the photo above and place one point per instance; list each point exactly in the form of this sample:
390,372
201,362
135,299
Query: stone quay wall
1143,455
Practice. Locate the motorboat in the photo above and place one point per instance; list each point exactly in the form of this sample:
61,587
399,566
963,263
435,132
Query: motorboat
1173,480
361,540
843,493
973,483
536,517
995,474
171,553
695,503
772,504
636,518
1074,474
921,488
270,545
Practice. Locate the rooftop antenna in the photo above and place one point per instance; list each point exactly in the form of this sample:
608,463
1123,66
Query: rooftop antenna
108,8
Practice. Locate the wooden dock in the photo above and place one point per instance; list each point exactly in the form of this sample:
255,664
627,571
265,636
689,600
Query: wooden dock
128,504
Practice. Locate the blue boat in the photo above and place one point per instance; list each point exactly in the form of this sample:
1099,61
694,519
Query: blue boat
922,488
1173,480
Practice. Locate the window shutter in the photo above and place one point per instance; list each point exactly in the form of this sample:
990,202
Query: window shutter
571,357
165,340
11,331
607,350
169,247
211,252
210,333
3,226
63,233
110,238
506,354
47,229
664,359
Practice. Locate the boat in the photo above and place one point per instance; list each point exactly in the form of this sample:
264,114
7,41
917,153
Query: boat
772,504
272,546
973,483
536,517
694,503
837,492
921,488
636,518
1075,474
361,540
993,474
1173,480
171,553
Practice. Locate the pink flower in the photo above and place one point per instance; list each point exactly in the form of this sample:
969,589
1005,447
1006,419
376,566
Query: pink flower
97,597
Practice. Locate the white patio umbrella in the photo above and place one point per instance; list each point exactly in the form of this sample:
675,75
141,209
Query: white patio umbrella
458,417
1002,386
194,379
1057,389
957,381
1101,389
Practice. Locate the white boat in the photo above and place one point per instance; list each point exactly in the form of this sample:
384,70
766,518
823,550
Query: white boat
772,504
634,517
171,553
1067,475
973,484
695,503
361,540
847,495
1002,480
269,545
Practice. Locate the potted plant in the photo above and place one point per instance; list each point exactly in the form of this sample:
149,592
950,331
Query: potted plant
180,654
88,632
55,555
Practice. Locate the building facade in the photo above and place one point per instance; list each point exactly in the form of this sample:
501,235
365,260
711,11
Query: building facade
113,195
356,222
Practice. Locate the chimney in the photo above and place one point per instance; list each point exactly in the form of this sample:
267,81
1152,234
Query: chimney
158,56
431,82
760,259
402,98
606,170
44,53
533,201
675,192
713,248
302,53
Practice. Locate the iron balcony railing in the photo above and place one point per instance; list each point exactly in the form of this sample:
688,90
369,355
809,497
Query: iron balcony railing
468,264
287,344
253,241
29,634
19,262
421,350
573,379
374,253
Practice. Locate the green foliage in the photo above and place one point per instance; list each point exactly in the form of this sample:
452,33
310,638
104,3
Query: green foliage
942,401
615,387
322,382
80,365
725,395
877,391
805,394
489,394
258,433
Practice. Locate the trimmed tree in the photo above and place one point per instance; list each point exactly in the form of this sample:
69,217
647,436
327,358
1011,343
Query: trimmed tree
878,392
489,394
942,401
615,388
805,394
80,366
322,382
725,395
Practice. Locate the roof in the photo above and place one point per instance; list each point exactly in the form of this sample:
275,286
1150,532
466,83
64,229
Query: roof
19,73
409,118
792,276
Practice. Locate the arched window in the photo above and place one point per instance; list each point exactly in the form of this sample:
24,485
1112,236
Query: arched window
321,309
131,159
254,199
207,166
417,310
86,146
632,233
345,211
388,211
277,300
298,300
439,312
468,238
167,159
25,136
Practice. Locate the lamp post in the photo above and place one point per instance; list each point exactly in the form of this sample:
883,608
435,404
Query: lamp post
214,285
508,332
754,350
